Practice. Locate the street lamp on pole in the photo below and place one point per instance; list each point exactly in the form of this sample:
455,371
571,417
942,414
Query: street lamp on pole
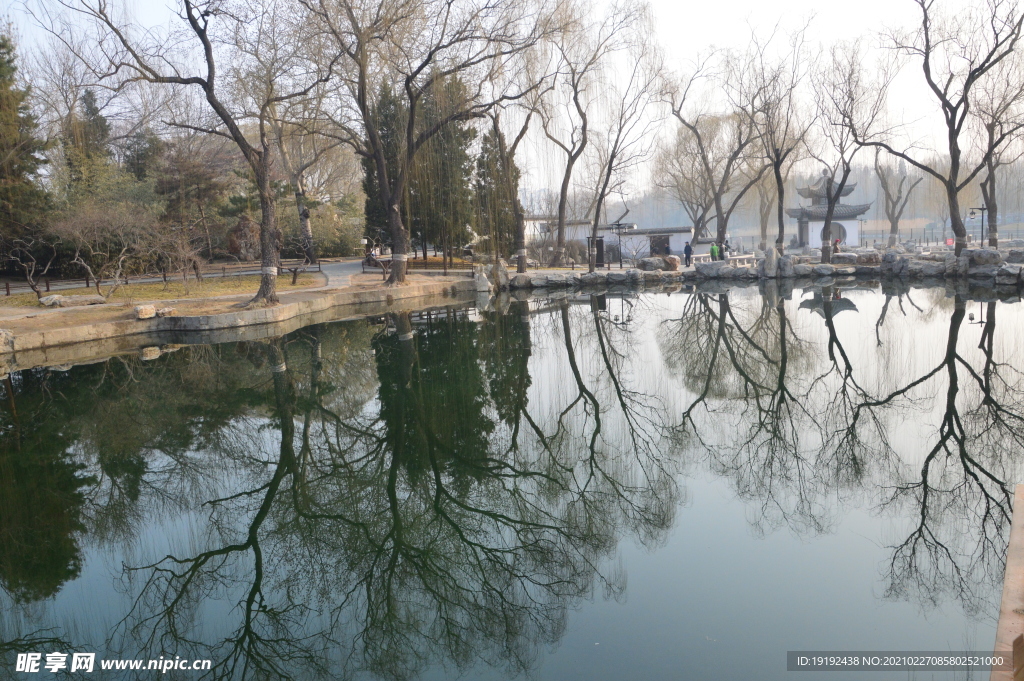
973,215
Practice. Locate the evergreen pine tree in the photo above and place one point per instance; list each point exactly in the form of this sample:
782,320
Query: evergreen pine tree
22,201
496,218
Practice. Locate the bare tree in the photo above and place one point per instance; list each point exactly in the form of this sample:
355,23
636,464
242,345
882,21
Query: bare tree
681,172
268,68
506,155
895,193
299,133
959,53
723,144
33,255
626,140
767,90
849,108
419,46
998,106
584,49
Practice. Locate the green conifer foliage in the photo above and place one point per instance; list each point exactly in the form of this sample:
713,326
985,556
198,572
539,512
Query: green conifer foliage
22,201
392,116
441,186
496,218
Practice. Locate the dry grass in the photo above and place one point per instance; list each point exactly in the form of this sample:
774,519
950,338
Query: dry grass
211,286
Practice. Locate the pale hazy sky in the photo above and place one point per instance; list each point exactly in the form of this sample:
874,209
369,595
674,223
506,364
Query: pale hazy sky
688,28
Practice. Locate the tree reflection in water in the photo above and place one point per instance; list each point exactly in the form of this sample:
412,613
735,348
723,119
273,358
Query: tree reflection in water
442,488
422,524
804,438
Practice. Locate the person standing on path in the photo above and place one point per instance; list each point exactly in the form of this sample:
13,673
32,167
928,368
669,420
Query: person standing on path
714,251
688,253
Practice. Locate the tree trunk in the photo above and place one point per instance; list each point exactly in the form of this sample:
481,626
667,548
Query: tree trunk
956,222
780,187
764,215
399,244
270,247
894,231
563,199
206,228
988,193
308,245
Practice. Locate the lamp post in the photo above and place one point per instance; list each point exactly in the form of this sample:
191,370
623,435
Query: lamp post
618,231
973,215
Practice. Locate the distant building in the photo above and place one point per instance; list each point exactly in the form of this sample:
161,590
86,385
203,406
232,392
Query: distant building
804,215
636,242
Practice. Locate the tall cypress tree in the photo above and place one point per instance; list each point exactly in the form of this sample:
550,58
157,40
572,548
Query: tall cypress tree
22,201
391,114
441,186
496,216
86,142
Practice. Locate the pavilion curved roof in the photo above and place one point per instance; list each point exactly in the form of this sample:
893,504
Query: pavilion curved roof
817,191
842,211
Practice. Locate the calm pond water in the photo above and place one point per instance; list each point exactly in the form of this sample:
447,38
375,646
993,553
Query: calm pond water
652,486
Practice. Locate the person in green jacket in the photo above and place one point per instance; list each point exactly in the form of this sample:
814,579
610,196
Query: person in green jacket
714,251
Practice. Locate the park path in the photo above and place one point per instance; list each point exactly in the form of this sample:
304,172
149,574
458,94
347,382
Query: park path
338,273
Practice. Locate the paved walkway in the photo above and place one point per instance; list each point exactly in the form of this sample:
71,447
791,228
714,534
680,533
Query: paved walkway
338,273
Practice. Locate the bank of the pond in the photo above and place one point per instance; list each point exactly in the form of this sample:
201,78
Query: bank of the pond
43,337
76,335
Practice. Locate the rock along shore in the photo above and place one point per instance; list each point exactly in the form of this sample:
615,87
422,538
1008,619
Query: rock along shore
985,267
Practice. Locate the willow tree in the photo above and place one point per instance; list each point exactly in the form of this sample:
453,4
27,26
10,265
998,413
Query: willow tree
417,45
585,48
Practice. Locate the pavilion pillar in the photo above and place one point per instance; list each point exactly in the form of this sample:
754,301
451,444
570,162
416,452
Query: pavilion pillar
802,232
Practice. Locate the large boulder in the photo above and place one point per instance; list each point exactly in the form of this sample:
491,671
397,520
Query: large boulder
520,281
985,256
651,264
933,269
79,301
846,270
869,270
824,270
771,263
672,263
803,270
869,258
727,272
1008,274
844,259
51,301
983,271
617,277
634,275
1015,256
594,279
498,275
480,283
145,311
787,265
746,273
709,270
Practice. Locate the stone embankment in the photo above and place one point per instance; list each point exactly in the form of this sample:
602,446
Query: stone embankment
987,267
